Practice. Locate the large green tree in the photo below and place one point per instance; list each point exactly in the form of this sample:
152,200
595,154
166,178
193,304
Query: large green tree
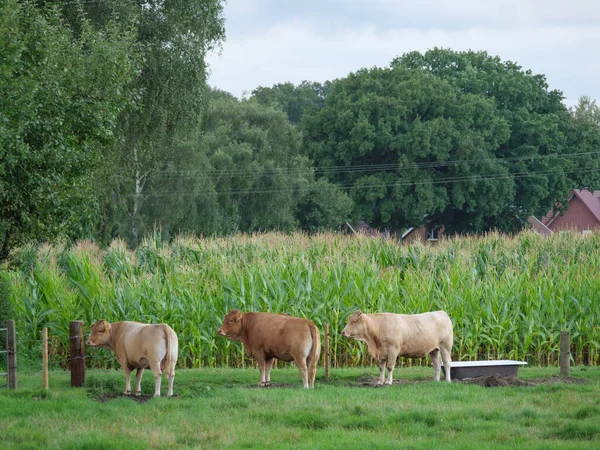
60,95
543,167
244,171
392,137
461,139
175,36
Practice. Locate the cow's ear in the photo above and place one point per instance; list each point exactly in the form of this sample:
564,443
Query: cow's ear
358,313
102,325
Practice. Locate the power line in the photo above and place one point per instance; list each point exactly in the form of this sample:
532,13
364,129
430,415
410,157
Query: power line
399,183
215,173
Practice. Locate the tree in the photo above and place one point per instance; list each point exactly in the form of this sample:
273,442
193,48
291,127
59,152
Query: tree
586,111
536,153
584,138
307,97
245,172
461,139
392,137
60,96
175,37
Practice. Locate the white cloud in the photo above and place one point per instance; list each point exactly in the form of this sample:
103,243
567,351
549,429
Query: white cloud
301,49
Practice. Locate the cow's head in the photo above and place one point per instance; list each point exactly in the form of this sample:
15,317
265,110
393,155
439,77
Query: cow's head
100,335
355,326
232,325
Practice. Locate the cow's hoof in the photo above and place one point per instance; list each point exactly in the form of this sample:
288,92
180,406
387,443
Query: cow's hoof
127,392
388,383
138,393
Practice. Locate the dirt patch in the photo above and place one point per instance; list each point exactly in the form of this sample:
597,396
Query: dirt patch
371,381
558,380
489,381
494,381
112,395
272,386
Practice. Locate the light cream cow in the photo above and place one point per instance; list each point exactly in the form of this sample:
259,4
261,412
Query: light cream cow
139,346
410,335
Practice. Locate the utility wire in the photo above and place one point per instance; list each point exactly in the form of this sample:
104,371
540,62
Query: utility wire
214,172
398,183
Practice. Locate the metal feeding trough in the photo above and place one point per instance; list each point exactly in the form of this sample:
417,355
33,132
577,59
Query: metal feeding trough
463,370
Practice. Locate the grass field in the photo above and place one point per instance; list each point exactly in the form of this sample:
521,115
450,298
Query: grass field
223,408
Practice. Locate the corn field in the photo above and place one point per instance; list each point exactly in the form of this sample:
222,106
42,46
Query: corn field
508,297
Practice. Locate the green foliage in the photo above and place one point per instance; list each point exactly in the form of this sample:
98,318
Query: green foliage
60,96
6,309
543,166
507,297
396,134
175,37
243,172
460,139
295,101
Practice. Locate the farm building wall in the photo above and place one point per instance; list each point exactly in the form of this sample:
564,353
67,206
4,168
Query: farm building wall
577,216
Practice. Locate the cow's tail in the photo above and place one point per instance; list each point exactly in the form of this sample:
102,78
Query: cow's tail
172,350
315,353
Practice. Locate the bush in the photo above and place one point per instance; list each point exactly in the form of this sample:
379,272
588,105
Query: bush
6,310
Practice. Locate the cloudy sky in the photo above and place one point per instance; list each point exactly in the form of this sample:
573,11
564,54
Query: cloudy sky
274,41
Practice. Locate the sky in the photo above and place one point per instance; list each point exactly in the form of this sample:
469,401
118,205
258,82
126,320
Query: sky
278,41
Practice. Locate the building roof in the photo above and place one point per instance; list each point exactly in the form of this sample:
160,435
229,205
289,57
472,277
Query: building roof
538,226
590,199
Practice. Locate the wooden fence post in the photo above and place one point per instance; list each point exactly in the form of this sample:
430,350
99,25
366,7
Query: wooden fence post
77,354
327,356
565,354
11,353
45,357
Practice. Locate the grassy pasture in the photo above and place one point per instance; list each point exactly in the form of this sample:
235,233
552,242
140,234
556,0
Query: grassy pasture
223,408
508,297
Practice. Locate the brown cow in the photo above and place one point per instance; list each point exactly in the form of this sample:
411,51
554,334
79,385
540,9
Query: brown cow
139,346
411,335
267,336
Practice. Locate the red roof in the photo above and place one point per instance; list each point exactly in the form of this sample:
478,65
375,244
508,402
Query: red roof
590,199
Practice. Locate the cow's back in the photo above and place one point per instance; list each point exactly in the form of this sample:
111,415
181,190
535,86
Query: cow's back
277,334
140,341
415,335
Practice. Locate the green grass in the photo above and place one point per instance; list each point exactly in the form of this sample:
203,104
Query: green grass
223,408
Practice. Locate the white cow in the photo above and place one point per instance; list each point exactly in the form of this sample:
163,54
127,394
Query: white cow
411,335
139,346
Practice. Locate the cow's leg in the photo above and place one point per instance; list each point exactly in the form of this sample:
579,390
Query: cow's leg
382,363
171,377
262,367
155,367
447,362
138,381
437,364
127,372
303,368
268,366
391,363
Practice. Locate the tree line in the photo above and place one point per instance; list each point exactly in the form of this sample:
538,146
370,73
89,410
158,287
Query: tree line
109,129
